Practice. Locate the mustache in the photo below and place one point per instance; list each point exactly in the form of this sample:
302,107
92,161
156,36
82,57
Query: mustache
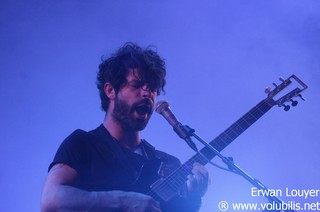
147,102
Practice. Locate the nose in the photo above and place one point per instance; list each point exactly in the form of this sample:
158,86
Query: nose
146,91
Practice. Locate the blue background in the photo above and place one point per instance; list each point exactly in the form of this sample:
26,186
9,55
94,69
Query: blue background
220,56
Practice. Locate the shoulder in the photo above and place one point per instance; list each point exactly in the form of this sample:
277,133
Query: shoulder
74,149
82,137
77,138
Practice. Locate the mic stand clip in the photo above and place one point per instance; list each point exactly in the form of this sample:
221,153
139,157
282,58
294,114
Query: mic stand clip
234,168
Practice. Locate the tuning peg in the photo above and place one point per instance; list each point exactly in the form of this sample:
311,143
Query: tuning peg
301,97
267,90
274,84
281,79
286,107
294,103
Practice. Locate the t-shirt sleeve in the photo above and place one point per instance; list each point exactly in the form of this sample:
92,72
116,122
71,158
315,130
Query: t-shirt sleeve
73,151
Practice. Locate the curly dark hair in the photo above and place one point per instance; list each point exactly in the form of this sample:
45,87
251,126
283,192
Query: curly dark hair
150,66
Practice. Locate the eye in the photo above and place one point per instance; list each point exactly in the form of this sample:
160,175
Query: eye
154,89
136,84
140,85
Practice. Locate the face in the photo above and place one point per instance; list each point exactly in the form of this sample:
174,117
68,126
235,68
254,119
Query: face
134,103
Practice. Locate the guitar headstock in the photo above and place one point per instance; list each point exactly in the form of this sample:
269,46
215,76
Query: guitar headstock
291,87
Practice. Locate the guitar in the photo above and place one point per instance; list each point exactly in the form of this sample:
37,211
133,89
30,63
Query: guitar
164,189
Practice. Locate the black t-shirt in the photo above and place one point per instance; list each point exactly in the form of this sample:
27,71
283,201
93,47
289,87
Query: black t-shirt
103,165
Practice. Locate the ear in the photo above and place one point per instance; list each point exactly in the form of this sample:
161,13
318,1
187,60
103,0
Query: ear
109,91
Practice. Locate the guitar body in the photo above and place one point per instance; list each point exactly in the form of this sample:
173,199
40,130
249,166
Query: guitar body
150,177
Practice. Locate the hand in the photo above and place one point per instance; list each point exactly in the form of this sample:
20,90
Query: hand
137,202
198,181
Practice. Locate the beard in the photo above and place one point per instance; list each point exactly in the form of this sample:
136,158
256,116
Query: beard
125,114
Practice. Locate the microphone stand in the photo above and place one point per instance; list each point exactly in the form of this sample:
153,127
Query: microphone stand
236,169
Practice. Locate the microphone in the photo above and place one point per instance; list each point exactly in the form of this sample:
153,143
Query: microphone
163,108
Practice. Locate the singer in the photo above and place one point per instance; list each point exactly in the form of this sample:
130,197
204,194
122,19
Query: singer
111,168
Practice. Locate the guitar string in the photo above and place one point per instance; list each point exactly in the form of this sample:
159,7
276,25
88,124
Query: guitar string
230,137
174,180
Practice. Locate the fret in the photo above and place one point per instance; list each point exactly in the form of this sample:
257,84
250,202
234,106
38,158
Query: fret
238,129
226,137
166,188
176,179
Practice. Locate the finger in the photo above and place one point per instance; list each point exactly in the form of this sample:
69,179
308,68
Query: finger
157,204
191,177
199,176
191,182
198,167
154,205
199,179
156,208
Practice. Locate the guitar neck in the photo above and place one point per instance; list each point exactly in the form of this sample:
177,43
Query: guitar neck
231,133
177,178
169,186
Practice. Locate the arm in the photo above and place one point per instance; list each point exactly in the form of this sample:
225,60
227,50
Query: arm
59,194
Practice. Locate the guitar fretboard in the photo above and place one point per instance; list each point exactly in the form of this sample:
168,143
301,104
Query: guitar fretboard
176,179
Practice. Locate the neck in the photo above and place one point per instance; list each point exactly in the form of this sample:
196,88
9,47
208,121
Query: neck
127,138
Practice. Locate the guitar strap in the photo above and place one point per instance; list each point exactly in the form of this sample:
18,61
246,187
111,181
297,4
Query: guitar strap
148,150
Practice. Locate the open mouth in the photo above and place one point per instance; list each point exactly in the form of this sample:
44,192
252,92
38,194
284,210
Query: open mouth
143,109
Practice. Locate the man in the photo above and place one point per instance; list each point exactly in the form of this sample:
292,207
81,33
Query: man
100,170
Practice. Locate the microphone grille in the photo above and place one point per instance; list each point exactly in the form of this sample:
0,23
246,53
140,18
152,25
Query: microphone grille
161,106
